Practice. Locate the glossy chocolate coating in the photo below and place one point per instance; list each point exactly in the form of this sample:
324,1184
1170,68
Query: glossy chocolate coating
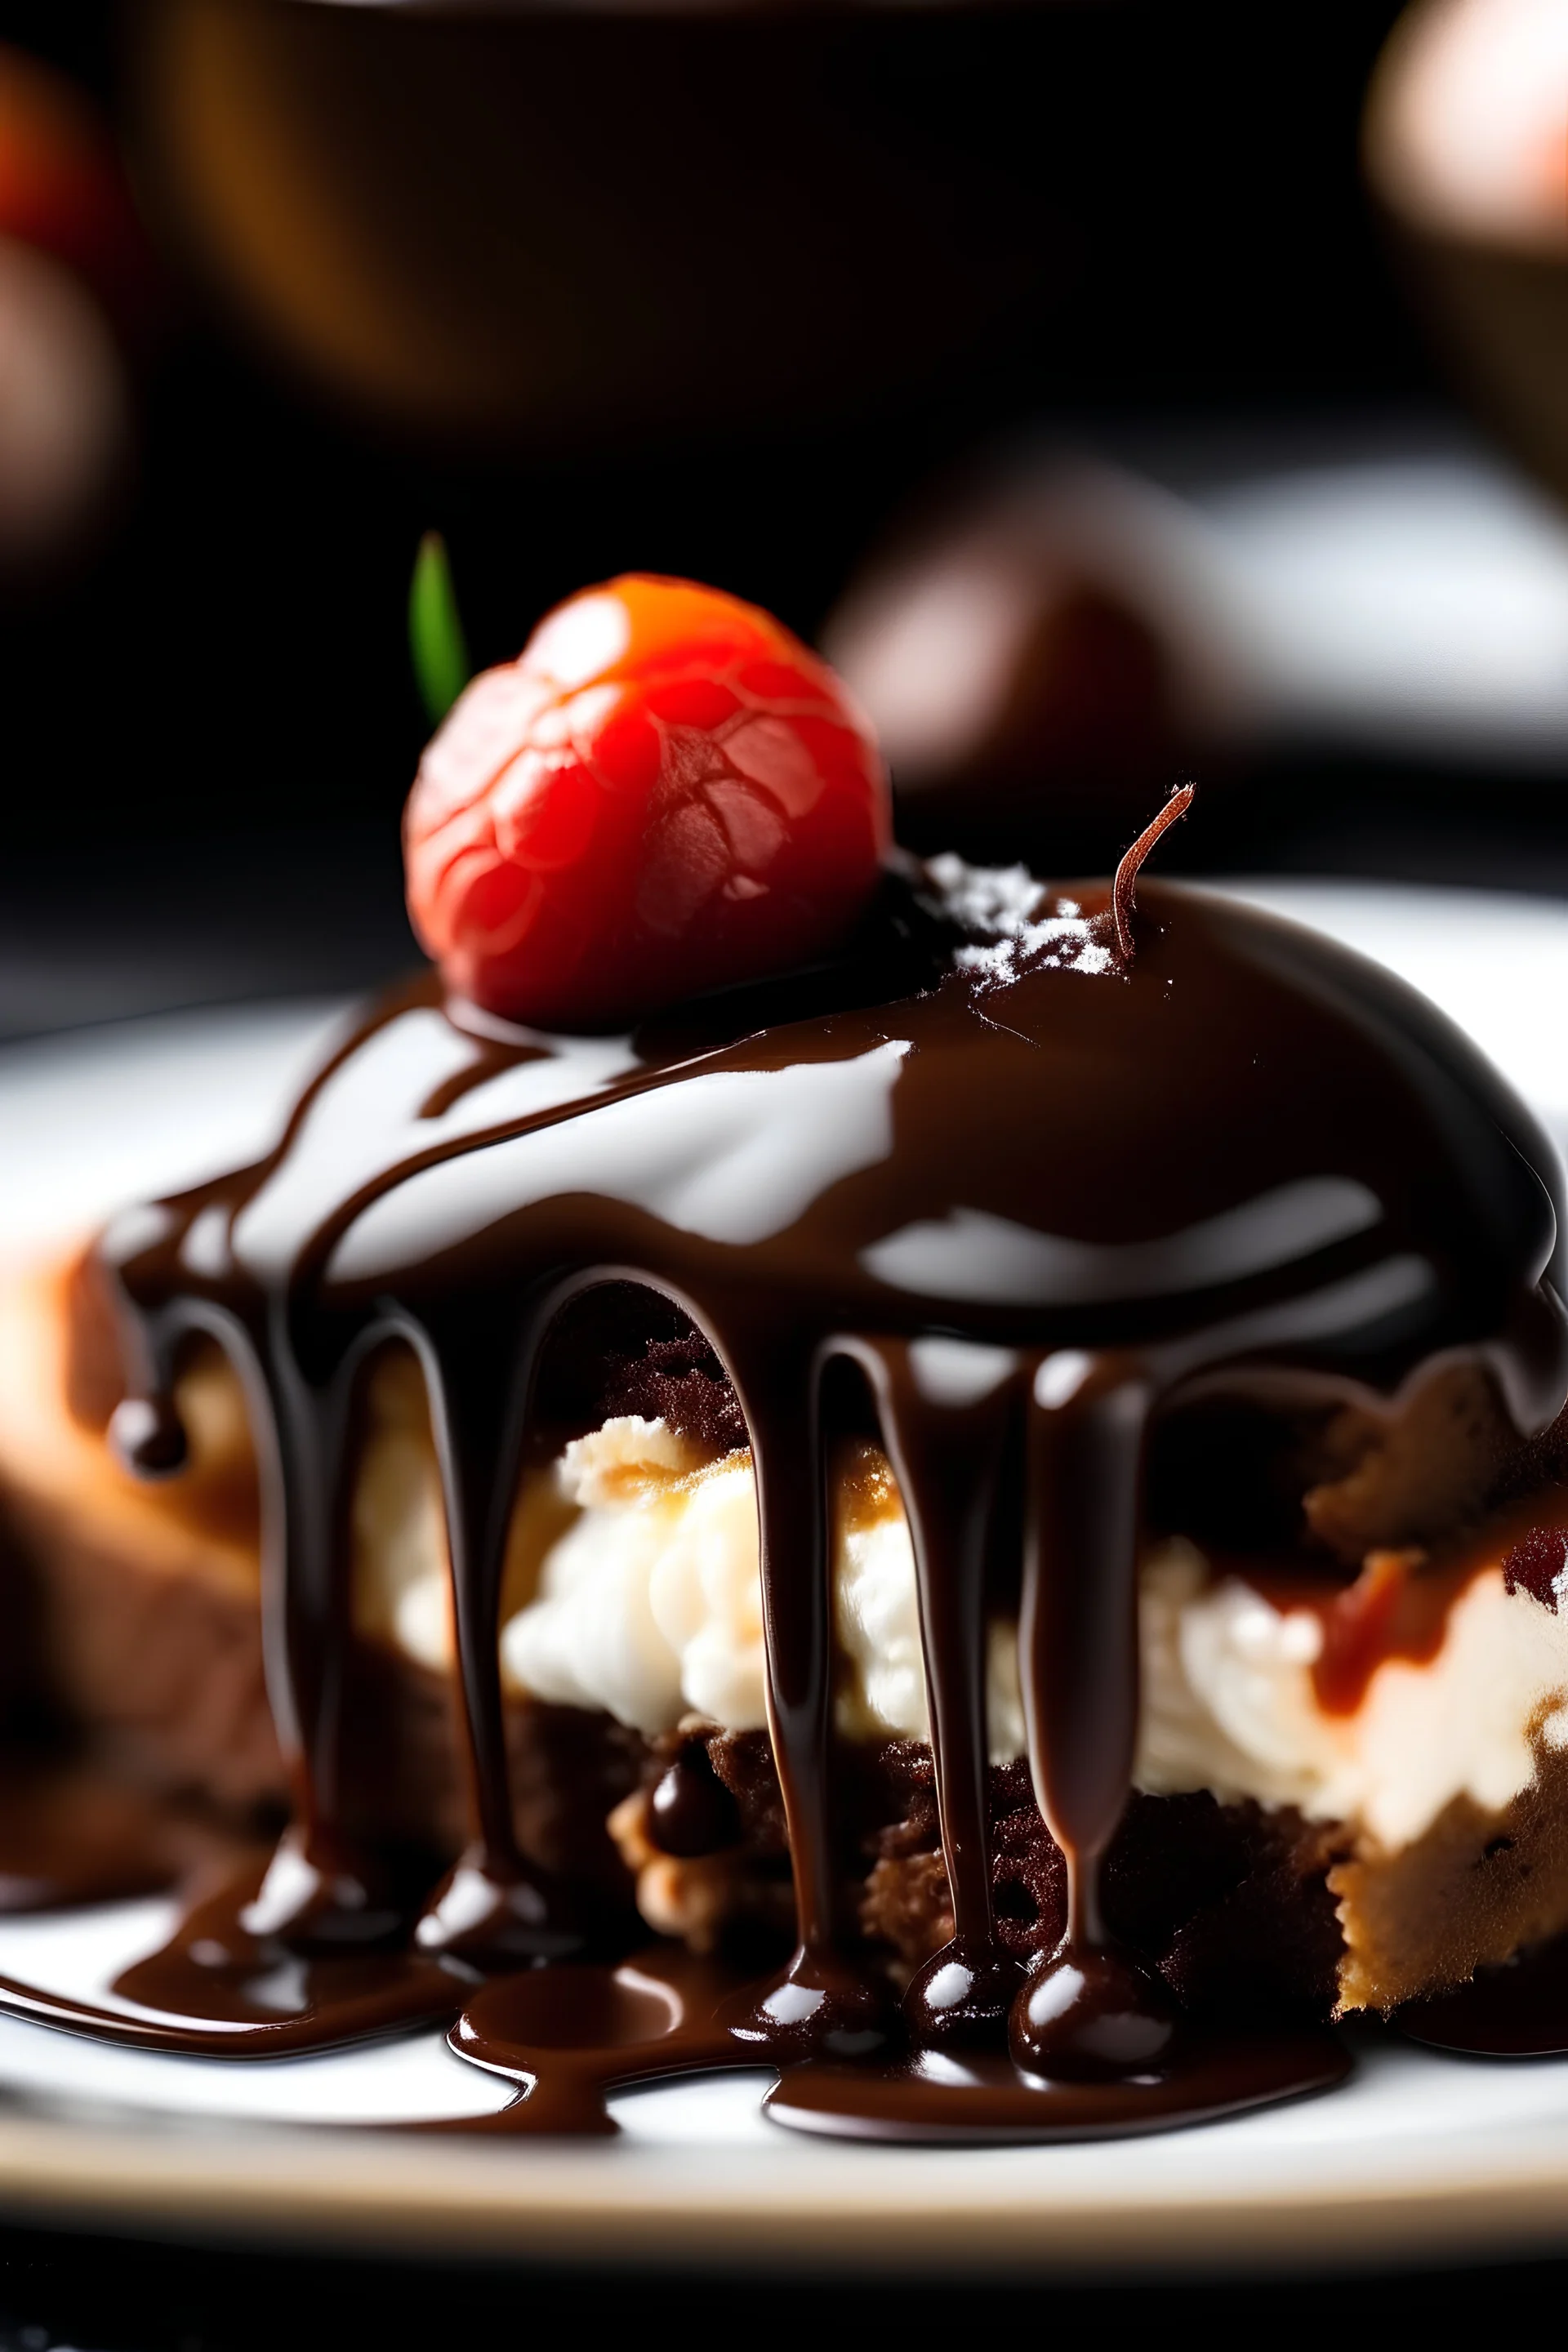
1035,1190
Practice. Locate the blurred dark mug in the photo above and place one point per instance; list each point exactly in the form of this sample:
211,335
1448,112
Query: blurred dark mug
552,224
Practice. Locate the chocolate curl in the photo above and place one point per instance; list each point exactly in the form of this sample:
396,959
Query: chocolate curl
1127,873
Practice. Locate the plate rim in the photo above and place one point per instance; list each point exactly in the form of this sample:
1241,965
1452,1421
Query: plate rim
489,2201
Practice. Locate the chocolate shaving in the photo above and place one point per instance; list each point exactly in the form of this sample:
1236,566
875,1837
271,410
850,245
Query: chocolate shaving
1127,873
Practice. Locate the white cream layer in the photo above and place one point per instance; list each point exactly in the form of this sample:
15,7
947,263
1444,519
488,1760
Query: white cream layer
643,1598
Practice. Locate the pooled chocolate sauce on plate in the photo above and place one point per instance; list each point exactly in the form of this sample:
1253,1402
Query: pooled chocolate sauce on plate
1517,2011
1036,1189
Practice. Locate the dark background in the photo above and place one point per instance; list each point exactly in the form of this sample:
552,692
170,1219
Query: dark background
1189,238
209,732
105,2295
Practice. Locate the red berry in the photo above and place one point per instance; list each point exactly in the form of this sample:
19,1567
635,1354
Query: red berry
63,189
665,792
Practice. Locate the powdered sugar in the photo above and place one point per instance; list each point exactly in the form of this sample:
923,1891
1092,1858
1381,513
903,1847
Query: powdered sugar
1030,929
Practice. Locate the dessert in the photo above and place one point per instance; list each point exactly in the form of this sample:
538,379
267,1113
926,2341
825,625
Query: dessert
995,1479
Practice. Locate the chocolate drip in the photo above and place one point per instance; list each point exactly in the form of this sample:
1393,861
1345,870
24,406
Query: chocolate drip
946,1411
495,1907
319,1891
1037,1199
690,1811
323,1890
1087,2009
822,2001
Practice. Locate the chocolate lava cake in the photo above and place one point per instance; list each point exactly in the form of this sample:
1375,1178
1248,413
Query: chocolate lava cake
1027,1443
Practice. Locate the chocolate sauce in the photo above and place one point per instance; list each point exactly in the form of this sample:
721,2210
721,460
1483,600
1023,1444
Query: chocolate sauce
1038,1198
1518,2010
571,2036
568,2036
225,1985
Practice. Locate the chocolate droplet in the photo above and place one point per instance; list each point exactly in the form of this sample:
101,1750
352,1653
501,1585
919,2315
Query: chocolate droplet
1092,2015
690,1811
147,1437
958,2002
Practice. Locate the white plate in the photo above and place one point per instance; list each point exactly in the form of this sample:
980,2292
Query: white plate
1418,2153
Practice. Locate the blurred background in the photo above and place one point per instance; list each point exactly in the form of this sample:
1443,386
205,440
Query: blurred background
1119,389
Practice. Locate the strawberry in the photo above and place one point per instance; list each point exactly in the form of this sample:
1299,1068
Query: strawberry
666,793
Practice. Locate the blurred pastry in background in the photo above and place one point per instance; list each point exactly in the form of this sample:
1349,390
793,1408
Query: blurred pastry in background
64,412
1467,150
76,295
1046,660
1041,663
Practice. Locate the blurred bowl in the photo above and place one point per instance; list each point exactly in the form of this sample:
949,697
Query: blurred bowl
78,293
1044,659
1466,143
63,191
558,224
65,418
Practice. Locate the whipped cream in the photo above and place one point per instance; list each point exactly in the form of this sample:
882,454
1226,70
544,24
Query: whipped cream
650,1604
1228,1704
634,1586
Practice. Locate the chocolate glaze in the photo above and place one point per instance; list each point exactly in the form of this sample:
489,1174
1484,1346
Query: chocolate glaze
1036,1191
